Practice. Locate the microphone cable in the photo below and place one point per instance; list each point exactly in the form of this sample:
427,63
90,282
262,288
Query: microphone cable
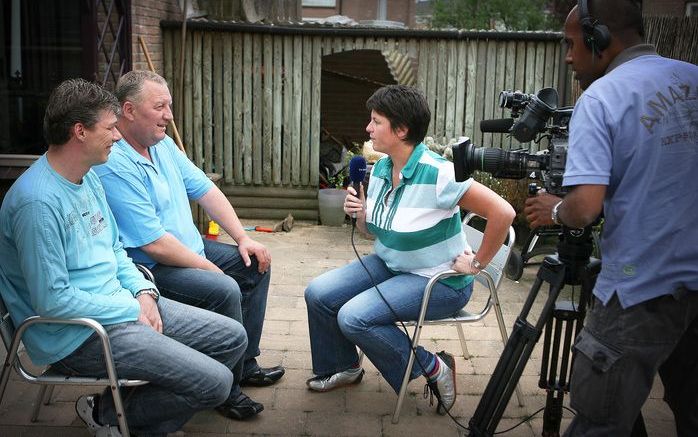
431,384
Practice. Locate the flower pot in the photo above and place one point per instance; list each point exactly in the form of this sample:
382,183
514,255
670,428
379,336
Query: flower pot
330,205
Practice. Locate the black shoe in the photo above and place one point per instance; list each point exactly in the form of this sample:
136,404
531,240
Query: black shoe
242,408
264,376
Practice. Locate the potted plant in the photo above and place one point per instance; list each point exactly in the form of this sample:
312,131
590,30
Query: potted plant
331,201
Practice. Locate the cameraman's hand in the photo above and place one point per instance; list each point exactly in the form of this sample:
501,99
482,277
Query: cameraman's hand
539,209
353,204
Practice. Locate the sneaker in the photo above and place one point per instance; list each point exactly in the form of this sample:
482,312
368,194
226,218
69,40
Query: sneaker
242,408
340,379
84,407
444,383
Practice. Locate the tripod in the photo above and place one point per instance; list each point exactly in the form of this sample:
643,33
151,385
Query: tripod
572,265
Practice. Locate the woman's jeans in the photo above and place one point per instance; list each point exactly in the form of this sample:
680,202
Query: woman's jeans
345,311
188,366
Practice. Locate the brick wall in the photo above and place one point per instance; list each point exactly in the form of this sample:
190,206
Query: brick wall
145,21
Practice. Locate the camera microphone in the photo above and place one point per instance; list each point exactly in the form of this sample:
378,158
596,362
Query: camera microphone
357,174
499,125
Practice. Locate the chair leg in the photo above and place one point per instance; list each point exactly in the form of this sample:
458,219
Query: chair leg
39,400
49,395
4,377
403,389
361,357
463,346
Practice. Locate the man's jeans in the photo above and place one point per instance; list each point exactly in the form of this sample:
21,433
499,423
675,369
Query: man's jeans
240,294
345,310
617,356
188,366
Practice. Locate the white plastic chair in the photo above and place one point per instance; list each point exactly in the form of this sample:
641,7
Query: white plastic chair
12,337
490,277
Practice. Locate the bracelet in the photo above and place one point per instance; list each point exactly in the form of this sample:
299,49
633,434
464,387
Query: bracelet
150,291
555,213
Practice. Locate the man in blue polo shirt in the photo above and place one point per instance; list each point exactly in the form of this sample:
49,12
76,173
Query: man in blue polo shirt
149,183
633,152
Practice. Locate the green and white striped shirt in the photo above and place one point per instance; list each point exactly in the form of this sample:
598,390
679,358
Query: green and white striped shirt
417,223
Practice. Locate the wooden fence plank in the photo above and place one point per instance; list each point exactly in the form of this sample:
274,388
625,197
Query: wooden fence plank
288,110
218,141
441,90
470,89
207,102
488,94
480,85
297,110
451,90
238,89
267,112
197,59
305,121
277,141
188,100
229,85
247,109
257,105
316,87
461,74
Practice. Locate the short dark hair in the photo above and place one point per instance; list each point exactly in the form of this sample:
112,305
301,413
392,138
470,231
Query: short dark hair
403,106
75,101
620,16
130,85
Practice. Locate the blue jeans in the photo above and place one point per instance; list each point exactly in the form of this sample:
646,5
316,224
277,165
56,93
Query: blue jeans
188,366
345,311
240,294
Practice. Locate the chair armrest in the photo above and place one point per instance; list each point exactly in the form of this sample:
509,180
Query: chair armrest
33,320
146,272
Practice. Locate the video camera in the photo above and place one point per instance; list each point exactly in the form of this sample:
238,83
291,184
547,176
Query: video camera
530,114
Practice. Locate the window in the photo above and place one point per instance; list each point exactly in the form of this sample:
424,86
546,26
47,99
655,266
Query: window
320,3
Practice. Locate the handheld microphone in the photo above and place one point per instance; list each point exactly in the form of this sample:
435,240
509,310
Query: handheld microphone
357,174
500,125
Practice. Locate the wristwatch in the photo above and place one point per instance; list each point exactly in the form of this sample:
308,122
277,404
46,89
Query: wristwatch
151,291
475,264
554,215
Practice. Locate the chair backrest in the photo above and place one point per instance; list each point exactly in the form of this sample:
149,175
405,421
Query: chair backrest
7,327
495,267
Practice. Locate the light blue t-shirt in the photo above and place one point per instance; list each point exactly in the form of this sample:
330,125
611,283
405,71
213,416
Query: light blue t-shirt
417,223
636,131
149,198
61,257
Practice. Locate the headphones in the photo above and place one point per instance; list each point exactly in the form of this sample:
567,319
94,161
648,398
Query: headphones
597,37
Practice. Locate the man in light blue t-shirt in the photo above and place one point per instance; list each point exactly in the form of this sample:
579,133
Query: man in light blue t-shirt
62,258
633,152
149,185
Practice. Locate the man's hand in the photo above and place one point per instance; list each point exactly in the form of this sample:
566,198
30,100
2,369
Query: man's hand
248,247
539,209
149,312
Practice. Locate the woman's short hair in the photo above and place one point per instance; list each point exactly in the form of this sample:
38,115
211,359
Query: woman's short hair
403,106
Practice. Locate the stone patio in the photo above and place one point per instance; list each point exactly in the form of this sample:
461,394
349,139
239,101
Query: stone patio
361,410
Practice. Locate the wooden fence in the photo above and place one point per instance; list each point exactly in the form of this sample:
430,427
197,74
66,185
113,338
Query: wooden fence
250,108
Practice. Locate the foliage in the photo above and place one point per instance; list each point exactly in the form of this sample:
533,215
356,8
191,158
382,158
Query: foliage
493,14
341,178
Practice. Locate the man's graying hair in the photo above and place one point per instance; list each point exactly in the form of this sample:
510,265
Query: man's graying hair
75,101
130,85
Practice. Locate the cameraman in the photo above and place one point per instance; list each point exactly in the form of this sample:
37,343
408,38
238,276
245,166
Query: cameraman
633,153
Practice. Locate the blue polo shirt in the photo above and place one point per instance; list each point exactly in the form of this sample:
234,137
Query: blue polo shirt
635,130
150,198
417,223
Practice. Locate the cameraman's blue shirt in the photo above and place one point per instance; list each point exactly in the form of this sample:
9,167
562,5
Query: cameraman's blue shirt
636,131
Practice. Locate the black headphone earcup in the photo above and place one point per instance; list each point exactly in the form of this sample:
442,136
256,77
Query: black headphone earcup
601,36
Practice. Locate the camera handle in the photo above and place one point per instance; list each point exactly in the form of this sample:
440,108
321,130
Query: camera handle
572,266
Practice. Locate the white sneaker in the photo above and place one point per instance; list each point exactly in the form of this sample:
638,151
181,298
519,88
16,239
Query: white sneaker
445,382
84,407
340,379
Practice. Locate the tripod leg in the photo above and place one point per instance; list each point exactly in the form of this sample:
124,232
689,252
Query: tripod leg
516,352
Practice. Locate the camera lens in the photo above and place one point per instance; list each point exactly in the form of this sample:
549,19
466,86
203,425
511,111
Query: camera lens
500,163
